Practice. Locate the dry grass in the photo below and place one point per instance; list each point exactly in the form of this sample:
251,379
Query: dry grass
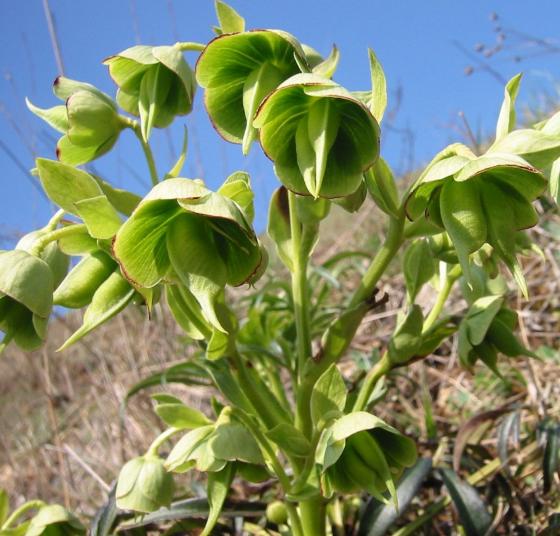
63,440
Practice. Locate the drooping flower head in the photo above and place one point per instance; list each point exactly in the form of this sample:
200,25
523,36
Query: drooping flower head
238,71
320,137
89,120
155,84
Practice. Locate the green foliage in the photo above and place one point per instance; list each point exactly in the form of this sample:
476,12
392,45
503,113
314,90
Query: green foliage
289,409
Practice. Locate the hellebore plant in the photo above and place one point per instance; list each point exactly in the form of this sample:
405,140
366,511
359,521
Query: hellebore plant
284,412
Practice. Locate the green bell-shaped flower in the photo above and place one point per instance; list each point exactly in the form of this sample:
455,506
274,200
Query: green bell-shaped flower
319,136
479,200
181,232
144,485
238,71
360,452
155,83
486,331
89,120
26,288
54,520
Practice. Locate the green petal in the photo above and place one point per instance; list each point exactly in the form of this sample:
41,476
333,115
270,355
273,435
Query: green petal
227,62
463,218
28,280
308,160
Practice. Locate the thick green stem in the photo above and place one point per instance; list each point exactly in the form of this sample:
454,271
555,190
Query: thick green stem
24,508
380,369
299,288
135,126
43,241
381,260
377,268
313,516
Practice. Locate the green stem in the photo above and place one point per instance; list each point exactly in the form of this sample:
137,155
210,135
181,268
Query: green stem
189,46
135,126
295,521
446,285
160,440
299,288
55,220
380,369
26,507
313,516
43,241
370,279
381,260
263,409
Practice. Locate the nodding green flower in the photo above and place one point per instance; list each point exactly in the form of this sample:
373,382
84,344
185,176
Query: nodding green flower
360,452
89,120
320,137
26,289
181,232
479,200
155,83
486,330
238,71
144,485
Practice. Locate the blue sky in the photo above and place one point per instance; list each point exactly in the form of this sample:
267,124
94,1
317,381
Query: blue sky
417,42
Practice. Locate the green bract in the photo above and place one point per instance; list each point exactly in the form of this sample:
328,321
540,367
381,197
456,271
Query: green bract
89,121
360,452
487,330
320,137
144,485
478,200
184,233
26,287
211,447
155,83
54,520
238,71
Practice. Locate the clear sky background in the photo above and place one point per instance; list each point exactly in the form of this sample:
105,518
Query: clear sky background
423,45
